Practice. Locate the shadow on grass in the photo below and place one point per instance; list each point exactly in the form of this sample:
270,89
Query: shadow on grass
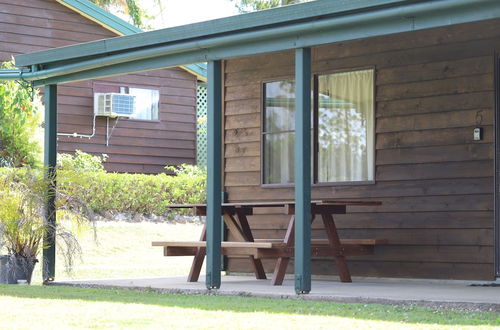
408,314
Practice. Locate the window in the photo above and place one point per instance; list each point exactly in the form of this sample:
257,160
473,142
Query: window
278,133
343,128
147,101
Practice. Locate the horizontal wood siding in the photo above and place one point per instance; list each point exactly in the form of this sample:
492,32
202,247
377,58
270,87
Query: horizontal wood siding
436,184
135,146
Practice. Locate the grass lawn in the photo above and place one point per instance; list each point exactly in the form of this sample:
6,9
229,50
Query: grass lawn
31,307
123,250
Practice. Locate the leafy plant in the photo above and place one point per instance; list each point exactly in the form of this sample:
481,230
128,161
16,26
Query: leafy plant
81,162
19,121
23,196
189,184
22,229
131,8
83,184
141,193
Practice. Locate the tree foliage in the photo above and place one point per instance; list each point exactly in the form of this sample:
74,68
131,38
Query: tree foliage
245,6
19,123
128,7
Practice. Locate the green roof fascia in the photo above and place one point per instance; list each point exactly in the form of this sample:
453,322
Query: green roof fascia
258,20
120,27
101,16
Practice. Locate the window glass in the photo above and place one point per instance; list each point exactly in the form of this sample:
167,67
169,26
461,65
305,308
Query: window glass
278,135
147,103
345,126
279,112
344,132
279,161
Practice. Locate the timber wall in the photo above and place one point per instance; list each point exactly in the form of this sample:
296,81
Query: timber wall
135,145
436,184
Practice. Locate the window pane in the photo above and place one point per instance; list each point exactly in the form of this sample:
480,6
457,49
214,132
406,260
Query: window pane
279,158
147,102
279,109
345,132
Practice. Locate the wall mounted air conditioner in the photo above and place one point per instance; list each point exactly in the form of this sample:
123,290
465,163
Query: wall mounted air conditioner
114,104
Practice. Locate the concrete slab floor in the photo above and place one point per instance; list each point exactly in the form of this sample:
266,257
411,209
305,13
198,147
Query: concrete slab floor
448,294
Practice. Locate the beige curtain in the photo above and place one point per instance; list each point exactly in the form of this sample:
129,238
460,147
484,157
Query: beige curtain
346,124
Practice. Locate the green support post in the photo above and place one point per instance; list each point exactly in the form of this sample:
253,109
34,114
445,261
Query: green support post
303,170
50,157
214,171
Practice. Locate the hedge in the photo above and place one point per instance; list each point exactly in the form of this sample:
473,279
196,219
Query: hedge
143,193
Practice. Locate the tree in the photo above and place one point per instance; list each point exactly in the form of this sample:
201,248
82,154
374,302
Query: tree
245,6
128,7
19,123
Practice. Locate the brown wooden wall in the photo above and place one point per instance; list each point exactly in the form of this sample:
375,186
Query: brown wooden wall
436,184
135,146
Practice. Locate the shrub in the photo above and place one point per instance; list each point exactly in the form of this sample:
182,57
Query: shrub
23,196
19,123
141,193
82,178
81,162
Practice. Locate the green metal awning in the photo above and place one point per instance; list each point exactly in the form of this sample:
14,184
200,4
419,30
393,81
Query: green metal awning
291,27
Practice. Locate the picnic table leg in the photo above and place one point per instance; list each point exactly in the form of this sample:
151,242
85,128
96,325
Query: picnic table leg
194,273
238,232
333,238
282,263
258,268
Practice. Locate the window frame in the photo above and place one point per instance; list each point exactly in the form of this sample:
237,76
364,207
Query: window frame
315,110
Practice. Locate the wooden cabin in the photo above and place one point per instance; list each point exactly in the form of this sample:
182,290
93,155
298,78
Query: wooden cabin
393,120
159,134
404,97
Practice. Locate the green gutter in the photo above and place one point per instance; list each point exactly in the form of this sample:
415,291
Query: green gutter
12,74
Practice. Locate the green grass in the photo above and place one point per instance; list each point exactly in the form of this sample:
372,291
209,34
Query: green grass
123,250
69,307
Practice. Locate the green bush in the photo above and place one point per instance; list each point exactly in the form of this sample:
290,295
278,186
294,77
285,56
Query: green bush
141,193
82,177
19,123
81,162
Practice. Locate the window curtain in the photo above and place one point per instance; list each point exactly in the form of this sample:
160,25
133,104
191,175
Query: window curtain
346,126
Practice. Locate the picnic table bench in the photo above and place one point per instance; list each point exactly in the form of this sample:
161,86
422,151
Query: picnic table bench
235,218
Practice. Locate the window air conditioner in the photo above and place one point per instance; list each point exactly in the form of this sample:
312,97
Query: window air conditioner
114,104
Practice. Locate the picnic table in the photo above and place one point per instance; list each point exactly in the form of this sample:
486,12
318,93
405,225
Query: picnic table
282,249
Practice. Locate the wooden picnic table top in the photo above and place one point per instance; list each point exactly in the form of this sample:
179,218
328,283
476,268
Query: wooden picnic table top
282,203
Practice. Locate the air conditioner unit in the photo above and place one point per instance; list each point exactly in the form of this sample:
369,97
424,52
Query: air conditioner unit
114,104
